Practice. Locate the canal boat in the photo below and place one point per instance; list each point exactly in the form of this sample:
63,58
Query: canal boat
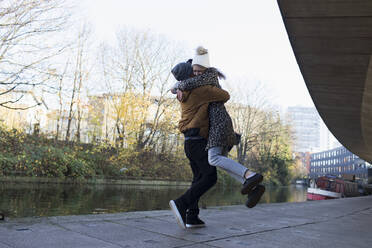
331,187
300,182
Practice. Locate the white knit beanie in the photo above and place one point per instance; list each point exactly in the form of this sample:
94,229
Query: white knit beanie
201,57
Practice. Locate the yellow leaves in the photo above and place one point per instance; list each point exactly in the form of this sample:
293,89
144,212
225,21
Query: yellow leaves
129,111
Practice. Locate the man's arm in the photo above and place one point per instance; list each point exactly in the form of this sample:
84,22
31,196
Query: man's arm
210,93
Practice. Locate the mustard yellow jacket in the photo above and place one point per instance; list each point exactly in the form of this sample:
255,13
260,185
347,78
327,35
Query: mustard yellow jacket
194,107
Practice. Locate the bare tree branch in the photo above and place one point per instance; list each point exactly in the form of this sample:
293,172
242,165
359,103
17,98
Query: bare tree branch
26,42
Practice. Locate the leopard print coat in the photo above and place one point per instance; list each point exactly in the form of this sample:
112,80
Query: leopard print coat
221,132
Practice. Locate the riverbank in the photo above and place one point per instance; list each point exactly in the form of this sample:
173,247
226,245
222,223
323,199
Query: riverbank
39,155
333,223
20,179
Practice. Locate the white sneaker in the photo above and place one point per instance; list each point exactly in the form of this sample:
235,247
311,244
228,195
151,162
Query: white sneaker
177,214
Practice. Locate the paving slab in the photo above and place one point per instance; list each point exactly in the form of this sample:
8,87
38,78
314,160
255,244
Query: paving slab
47,235
336,223
123,235
4,245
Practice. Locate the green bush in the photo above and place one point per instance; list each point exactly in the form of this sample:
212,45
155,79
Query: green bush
43,161
38,156
148,164
7,164
78,168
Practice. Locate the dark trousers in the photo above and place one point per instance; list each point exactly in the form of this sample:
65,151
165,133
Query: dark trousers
205,176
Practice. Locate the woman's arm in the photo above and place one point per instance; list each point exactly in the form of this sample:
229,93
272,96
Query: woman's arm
209,77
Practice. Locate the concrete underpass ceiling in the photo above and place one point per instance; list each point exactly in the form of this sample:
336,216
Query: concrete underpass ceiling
332,42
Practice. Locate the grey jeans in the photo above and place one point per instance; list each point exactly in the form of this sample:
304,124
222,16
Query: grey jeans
217,157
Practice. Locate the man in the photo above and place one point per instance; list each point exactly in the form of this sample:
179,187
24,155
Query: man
194,124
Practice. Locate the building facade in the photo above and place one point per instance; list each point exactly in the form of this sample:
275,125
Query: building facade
310,132
338,161
306,127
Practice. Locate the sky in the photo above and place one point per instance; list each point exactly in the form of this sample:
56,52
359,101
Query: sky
246,39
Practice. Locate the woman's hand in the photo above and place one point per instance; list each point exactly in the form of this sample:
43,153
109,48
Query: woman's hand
179,95
174,88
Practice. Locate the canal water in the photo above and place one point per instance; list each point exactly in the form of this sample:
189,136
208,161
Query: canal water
25,200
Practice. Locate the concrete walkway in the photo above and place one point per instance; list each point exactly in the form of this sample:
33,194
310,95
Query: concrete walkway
332,223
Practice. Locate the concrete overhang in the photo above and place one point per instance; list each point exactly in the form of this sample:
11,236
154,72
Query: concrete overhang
332,42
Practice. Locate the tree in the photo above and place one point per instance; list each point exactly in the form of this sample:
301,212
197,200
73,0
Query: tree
96,118
28,42
59,117
80,75
248,110
272,155
298,169
137,75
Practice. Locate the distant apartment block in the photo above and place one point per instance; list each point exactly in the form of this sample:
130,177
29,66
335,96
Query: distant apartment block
306,127
310,132
338,162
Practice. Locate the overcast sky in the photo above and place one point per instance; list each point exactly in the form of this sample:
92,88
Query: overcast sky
245,38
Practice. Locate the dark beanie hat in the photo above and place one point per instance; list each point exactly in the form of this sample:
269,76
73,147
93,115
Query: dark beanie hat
182,71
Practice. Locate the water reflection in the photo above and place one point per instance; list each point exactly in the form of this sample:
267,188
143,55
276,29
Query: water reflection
23,200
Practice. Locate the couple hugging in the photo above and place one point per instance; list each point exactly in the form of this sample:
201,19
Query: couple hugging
209,136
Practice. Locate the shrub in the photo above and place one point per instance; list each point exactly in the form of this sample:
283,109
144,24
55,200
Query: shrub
7,164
